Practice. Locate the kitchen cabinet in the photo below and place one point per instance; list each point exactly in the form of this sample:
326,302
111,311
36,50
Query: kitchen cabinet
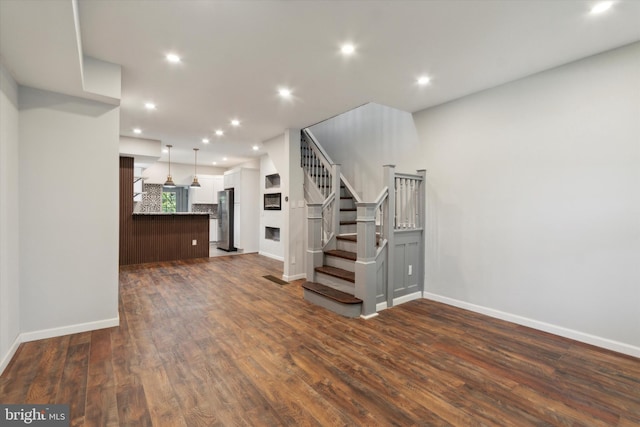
246,194
218,185
204,194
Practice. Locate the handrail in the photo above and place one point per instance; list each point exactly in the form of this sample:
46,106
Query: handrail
383,194
325,163
409,176
320,149
350,188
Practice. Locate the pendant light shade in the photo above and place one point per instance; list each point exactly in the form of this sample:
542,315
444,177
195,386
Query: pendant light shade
195,182
169,182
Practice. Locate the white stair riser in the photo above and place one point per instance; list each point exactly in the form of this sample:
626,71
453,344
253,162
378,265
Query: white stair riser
335,283
345,264
348,215
348,229
345,245
347,204
348,310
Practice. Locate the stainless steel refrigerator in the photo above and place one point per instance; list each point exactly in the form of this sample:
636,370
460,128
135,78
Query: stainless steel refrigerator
225,220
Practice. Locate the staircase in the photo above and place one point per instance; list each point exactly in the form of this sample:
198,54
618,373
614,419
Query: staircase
350,241
334,285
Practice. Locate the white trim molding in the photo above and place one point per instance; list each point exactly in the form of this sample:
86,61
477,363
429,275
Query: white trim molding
407,298
12,350
368,316
268,255
55,332
381,306
542,326
67,330
294,277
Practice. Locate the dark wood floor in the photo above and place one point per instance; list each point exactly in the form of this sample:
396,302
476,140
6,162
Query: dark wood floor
211,342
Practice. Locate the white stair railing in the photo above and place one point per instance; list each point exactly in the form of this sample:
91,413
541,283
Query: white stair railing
325,175
399,208
407,196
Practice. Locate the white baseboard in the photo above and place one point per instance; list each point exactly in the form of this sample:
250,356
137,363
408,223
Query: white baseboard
268,255
381,306
55,332
407,298
67,330
294,277
368,316
7,357
542,326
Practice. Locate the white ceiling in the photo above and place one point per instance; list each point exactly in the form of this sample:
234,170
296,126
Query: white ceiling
236,54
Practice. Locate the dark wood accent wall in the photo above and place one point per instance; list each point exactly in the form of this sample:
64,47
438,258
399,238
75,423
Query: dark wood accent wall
152,238
126,209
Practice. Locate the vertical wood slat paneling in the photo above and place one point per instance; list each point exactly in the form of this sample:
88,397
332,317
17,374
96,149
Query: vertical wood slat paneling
126,209
153,238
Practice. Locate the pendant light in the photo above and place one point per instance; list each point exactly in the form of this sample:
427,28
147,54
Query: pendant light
169,182
195,182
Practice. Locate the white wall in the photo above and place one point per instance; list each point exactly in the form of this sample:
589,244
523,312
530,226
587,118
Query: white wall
269,248
284,151
295,212
9,219
250,164
68,214
534,200
366,138
182,174
276,151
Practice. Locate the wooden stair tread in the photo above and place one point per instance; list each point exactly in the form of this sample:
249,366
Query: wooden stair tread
348,222
349,276
331,293
353,237
342,254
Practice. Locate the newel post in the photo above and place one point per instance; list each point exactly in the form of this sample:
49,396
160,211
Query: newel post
390,225
422,209
366,261
314,239
423,198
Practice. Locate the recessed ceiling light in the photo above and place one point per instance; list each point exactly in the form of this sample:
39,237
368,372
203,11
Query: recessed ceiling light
235,122
172,57
224,159
205,140
215,163
255,148
284,92
601,7
137,131
219,132
423,80
347,49
150,106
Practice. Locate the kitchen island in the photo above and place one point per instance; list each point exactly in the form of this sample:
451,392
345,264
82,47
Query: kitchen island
158,236
167,236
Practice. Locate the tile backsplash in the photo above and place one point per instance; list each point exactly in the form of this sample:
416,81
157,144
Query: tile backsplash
151,200
212,209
